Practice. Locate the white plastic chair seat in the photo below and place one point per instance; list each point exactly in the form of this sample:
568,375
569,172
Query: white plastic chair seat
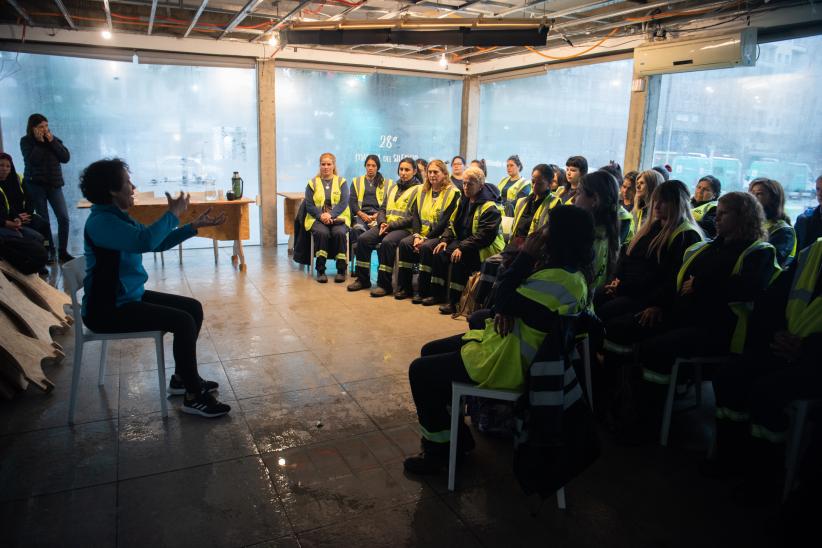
458,390
73,274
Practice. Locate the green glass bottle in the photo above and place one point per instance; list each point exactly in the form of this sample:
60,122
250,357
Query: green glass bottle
237,185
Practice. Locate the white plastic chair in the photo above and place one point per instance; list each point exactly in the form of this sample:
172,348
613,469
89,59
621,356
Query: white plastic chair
458,391
799,419
697,362
73,273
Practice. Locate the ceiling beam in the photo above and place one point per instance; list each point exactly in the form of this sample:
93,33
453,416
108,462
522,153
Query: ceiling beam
21,12
196,18
242,14
108,14
345,12
151,17
65,13
559,13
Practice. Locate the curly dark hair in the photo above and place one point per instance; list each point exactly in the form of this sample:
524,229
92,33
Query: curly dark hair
101,178
750,216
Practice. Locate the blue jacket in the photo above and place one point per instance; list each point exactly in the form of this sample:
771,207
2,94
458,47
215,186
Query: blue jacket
116,243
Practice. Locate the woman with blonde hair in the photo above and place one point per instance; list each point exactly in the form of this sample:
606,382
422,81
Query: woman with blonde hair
436,207
646,183
328,216
781,235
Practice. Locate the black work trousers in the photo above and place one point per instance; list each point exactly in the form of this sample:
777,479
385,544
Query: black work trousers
469,263
366,243
430,376
329,241
181,316
425,258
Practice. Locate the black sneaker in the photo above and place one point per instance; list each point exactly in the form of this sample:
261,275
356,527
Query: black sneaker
357,285
426,463
401,295
65,257
416,299
322,278
205,405
339,277
177,388
447,308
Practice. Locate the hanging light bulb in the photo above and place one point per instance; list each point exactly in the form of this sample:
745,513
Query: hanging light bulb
274,39
106,34
443,61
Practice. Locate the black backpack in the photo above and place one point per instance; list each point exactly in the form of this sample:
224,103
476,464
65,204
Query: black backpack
26,255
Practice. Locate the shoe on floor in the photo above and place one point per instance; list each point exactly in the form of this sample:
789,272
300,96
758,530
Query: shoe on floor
357,285
65,257
426,463
379,292
416,299
431,301
205,405
401,294
447,308
322,278
177,388
339,277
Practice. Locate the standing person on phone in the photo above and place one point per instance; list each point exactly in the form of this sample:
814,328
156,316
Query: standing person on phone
43,179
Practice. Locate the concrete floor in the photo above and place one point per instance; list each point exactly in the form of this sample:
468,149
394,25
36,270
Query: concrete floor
311,454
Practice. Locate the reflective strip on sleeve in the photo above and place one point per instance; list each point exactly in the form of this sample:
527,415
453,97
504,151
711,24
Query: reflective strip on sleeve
437,281
341,257
321,253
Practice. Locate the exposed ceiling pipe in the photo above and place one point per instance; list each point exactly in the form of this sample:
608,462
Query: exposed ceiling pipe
21,12
345,12
65,13
151,17
108,14
560,13
242,14
196,18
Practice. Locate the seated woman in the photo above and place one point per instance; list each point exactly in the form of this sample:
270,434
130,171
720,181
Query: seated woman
326,201
422,170
628,190
457,167
780,364
368,194
470,239
809,223
436,207
643,281
514,186
576,167
781,234
559,182
480,164
115,299
703,204
646,183
393,224
548,278
17,217
598,193
709,314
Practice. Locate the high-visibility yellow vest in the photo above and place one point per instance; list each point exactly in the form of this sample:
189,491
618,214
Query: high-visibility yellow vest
638,214
498,243
499,362
775,226
803,314
684,226
509,194
742,310
625,216
430,208
316,186
400,207
22,193
540,215
382,190
700,211
600,257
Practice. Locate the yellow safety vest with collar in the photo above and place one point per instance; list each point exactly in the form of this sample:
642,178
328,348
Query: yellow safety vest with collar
742,310
510,194
803,314
430,209
600,257
499,362
638,214
772,227
625,215
498,243
382,190
399,207
22,193
316,185
540,215
700,211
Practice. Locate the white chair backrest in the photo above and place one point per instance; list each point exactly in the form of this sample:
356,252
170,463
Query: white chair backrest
507,225
74,272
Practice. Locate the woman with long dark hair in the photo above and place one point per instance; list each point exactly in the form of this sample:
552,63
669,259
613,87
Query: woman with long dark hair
781,235
646,183
368,195
17,217
598,193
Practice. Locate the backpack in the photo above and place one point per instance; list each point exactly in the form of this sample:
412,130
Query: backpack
26,255
468,300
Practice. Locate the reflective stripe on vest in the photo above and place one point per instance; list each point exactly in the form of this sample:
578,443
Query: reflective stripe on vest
510,194
803,314
625,215
498,243
359,185
399,208
685,226
704,209
742,310
775,226
540,215
563,292
430,209
316,186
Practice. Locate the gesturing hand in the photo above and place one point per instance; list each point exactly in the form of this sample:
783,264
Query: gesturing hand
206,220
178,205
503,324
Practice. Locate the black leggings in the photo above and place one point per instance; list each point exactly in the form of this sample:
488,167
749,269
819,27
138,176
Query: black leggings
182,316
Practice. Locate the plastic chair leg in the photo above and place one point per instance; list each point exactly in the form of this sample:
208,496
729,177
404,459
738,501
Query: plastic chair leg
456,414
161,372
586,361
561,498
794,446
669,405
75,376
103,356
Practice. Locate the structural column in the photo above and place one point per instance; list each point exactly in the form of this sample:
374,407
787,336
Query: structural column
642,117
267,139
469,121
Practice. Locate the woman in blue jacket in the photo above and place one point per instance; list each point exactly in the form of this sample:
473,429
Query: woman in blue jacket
115,299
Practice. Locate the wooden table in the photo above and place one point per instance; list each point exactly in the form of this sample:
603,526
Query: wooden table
147,209
292,205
